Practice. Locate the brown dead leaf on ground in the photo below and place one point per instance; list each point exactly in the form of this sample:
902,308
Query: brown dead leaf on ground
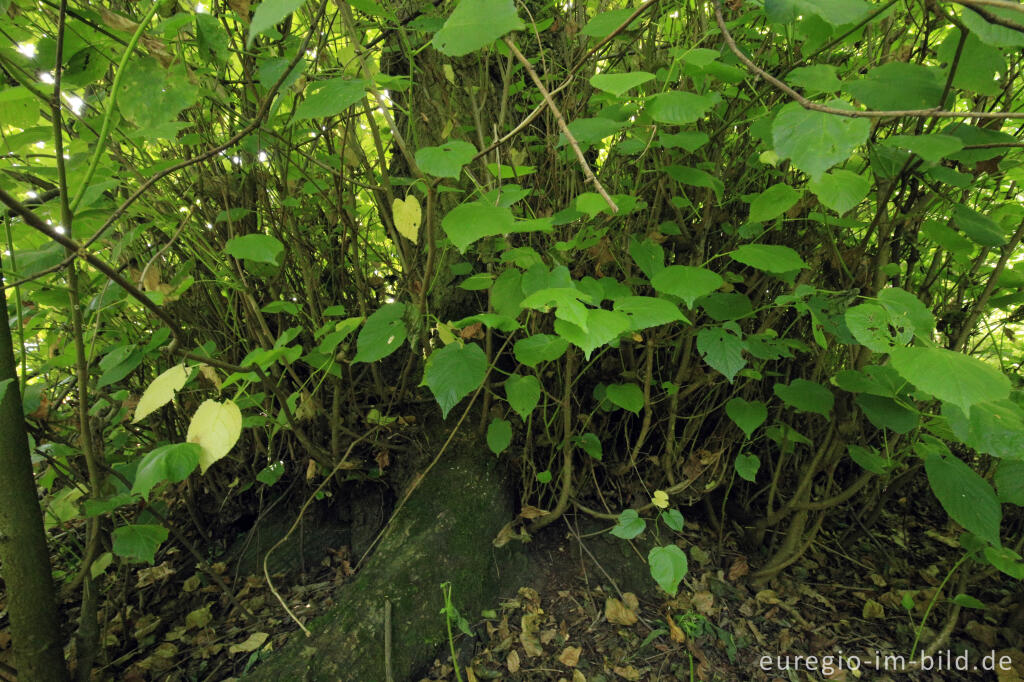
628,672
618,613
738,569
512,661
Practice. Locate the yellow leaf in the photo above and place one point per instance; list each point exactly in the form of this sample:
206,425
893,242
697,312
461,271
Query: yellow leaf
160,392
407,217
660,499
215,427
254,642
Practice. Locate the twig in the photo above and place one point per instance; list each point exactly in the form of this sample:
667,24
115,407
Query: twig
587,172
295,524
389,673
936,112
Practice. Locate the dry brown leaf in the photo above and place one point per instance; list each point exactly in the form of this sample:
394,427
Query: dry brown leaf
986,634
570,656
472,331
530,512
674,631
148,576
241,8
210,374
616,612
703,601
738,569
528,637
767,597
383,459
630,601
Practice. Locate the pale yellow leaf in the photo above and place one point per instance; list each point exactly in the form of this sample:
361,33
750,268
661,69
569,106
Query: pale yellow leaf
254,642
160,392
215,427
407,217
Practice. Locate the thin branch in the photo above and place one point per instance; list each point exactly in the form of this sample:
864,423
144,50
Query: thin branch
563,126
936,112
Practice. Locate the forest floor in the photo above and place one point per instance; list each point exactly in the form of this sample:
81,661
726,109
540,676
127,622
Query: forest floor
589,612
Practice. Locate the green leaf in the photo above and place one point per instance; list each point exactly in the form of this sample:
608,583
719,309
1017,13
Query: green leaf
747,466
898,85
722,350
993,34
327,98
980,228
815,79
271,474
523,393
646,311
673,518
686,282
539,348
840,190
648,256
835,12
695,177
746,415
590,444
771,203
629,526
873,328
994,428
269,14
679,108
668,567
603,326
887,413
806,396
566,302
171,463
119,363
138,542
606,22
620,83
1010,481
475,24
769,258
453,372
932,148
446,160
260,248
499,435
815,140
627,396
869,459
966,496
951,377
382,334
906,309
967,601
544,476
467,223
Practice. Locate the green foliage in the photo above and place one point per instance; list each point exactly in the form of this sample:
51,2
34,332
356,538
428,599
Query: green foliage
475,24
454,371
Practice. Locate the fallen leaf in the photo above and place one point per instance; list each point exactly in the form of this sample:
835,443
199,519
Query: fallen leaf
512,661
616,612
627,672
528,637
529,512
577,676
674,631
570,656
738,569
873,610
198,619
703,602
254,642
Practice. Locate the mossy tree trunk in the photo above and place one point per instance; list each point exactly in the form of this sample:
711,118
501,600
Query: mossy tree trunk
442,534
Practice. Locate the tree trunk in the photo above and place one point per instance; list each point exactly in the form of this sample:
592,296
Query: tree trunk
442,534
24,557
